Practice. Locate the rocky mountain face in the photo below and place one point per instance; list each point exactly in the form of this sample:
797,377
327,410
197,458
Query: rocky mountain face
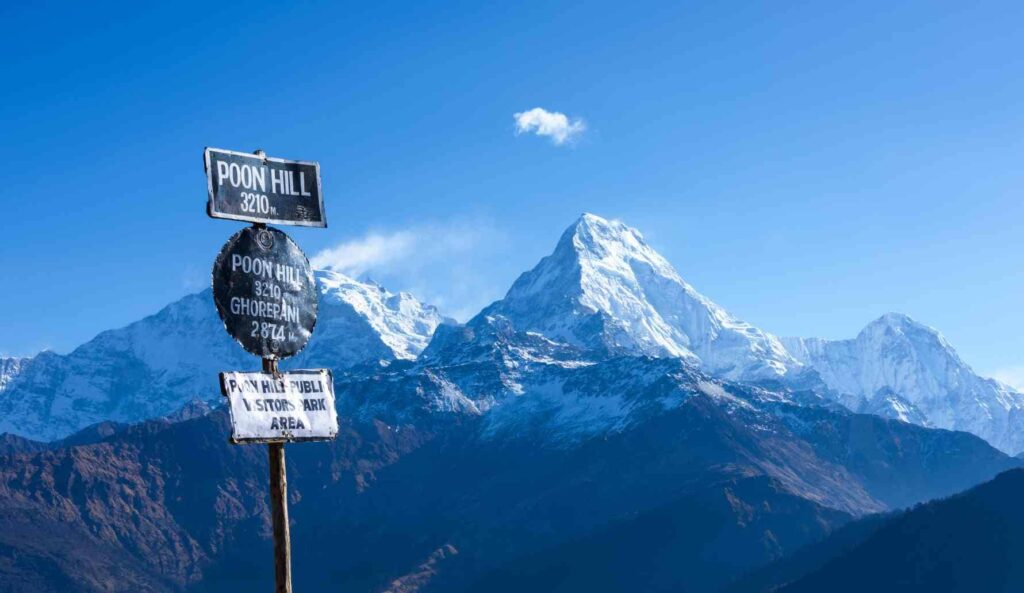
156,365
899,368
10,368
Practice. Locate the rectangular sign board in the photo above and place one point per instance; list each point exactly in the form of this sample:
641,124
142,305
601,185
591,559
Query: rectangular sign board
295,406
253,188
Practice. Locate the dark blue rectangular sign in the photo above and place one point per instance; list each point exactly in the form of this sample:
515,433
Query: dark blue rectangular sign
255,188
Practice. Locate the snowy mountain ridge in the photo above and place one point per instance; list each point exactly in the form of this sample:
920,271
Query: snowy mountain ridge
901,368
602,294
402,322
154,366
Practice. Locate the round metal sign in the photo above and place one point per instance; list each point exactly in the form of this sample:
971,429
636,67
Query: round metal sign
265,292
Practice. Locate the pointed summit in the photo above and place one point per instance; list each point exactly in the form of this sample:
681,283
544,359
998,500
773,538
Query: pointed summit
893,318
900,328
898,322
591,234
895,355
604,288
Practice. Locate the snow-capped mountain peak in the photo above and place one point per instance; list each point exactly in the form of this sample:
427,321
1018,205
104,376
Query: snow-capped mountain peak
401,321
604,287
893,325
893,352
895,356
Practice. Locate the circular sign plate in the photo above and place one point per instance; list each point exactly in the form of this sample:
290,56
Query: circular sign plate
265,292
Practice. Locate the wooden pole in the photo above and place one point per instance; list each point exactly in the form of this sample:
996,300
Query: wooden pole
279,507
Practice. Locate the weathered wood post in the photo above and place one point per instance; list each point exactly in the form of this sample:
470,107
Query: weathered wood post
279,506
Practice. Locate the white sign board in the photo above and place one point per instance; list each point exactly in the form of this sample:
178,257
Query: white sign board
295,406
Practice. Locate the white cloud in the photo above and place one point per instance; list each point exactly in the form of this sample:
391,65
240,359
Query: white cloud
558,126
357,256
447,265
1012,376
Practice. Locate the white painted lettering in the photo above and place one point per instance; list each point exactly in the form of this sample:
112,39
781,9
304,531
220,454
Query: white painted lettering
277,181
260,177
222,172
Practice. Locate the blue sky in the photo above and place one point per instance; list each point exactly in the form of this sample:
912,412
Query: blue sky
809,166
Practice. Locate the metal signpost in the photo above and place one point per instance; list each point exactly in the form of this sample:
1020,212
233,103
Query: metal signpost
265,293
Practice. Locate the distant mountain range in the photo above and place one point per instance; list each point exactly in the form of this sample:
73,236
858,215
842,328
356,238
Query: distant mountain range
158,364
603,290
899,368
602,427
